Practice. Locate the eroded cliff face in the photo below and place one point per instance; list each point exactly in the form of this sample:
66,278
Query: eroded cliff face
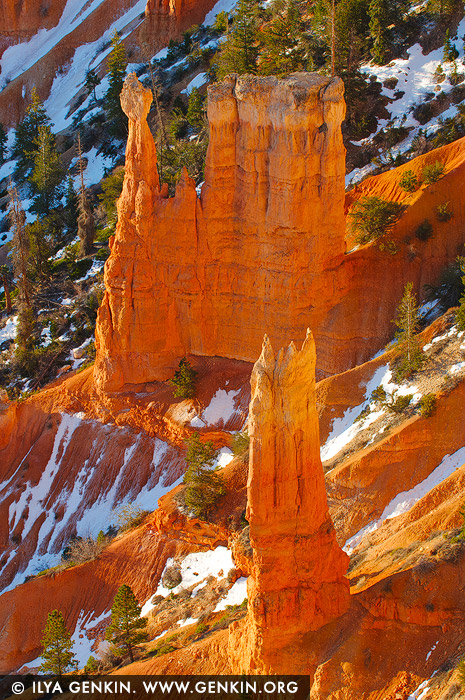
21,20
298,582
263,248
209,275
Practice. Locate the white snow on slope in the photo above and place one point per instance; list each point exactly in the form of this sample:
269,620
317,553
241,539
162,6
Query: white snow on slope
404,501
345,429
8,332
67,85
196,82
221,409
221,6
19,58
235,596
415,76
195,568
73,501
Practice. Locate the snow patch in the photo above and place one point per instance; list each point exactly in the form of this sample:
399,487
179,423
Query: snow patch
235,596
8,332
221,409
194,568
404,501
196,82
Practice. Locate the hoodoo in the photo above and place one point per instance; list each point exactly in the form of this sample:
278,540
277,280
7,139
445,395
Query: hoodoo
207,275
298,579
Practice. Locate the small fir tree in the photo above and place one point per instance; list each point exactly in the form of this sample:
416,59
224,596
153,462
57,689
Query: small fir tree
92,80
283,40
240,50
20,247
127,628
48,173
379,32
184,380
112,186
117,64
407,321
450,52
71,209
196,109
27,132
460,315
57,655
203,483
3,140
40,237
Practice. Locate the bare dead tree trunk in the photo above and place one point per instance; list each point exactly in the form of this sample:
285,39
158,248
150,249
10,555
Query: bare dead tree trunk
20,245
333,38
86,223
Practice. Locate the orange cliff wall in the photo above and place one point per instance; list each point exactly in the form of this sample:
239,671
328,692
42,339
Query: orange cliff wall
263,249
298,579
21,20
209,275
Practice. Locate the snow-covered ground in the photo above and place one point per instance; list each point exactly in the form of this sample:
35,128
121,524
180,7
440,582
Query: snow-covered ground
196,82
235,596
73,500
345,429
220,410
195,568
404,501
8,332
416,80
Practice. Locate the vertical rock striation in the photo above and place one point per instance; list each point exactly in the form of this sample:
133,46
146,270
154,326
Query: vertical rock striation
207,276
298,583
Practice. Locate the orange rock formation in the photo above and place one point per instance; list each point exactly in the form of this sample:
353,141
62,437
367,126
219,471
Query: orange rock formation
264,246
297,583
207,276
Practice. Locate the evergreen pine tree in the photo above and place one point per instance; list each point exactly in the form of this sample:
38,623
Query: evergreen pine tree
112,186
20,247
184,380
48,173
407,321
92,80
203,483
379,32
240,50
27,132
450,52
284,48
3,140
460,315
127,627
196,109
40,239
117,64
57,655
71,210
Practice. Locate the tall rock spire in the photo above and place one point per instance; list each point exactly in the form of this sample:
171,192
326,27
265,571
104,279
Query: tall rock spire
298,582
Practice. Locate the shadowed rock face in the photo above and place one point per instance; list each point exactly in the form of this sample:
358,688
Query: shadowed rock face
298,579
209,276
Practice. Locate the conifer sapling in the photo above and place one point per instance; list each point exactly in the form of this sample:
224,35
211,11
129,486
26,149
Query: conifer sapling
127,628
407,321
58,657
